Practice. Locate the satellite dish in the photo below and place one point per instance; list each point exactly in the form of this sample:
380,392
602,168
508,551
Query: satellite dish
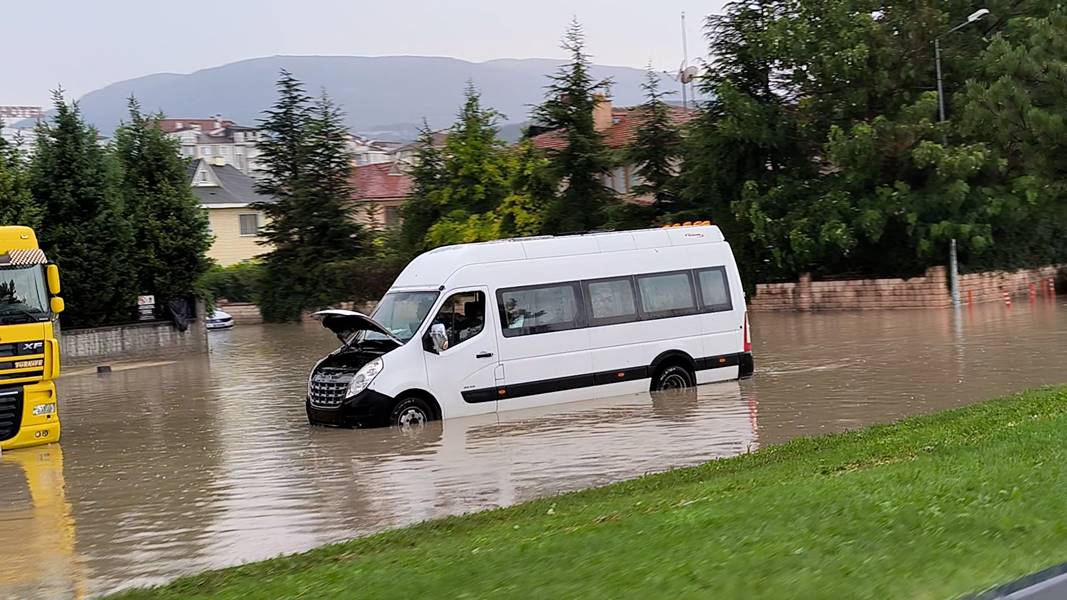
688,74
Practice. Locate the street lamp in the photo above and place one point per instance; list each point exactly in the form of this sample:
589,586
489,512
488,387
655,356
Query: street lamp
953,268
975,16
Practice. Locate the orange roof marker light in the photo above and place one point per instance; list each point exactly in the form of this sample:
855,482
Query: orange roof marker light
688,224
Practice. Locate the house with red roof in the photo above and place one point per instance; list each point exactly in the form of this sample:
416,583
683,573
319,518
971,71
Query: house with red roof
380,189
619,127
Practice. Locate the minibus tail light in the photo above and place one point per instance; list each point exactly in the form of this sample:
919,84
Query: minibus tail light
748,336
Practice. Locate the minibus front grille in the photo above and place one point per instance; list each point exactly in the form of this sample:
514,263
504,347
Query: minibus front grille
10,412
327,394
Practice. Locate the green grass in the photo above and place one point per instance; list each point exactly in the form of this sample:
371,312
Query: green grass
930,507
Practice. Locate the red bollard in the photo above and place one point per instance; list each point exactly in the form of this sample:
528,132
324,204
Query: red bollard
1033,293
1051,286
970,297
1007,299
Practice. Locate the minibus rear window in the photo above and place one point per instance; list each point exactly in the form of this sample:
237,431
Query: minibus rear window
539,309
714,289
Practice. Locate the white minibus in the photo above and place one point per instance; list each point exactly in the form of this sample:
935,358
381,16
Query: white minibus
511,324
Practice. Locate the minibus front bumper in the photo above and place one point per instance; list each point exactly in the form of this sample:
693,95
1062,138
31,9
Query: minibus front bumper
366,409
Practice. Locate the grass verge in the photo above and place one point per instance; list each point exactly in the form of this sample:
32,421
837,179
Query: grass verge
930,507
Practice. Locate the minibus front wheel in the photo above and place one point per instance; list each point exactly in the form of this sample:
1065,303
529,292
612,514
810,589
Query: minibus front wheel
672,377
411,412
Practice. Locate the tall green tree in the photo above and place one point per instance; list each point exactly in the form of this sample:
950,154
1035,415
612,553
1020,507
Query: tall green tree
583,161
78,185
170,229
16,204
655,150
473,180
419,212
306,170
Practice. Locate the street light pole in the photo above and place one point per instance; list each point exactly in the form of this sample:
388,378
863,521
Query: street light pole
940,88
976,15
953,268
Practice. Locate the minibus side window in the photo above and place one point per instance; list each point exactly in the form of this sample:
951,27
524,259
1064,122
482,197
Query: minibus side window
714,289
539,309
463,315
667,294
611,300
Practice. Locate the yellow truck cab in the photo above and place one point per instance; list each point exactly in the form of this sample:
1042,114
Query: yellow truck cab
29,350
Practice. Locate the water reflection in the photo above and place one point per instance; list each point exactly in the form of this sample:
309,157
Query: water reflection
209,462
37,528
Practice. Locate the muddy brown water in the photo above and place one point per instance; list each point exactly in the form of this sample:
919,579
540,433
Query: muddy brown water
167,469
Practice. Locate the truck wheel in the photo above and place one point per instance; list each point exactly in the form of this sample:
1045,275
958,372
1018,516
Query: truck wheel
410,412
672,377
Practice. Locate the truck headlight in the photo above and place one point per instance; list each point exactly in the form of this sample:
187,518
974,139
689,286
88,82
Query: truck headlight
44,409
364,376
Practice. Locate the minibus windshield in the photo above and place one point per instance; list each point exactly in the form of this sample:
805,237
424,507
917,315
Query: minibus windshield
401,313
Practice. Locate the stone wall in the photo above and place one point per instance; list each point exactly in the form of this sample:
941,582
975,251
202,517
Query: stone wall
928,291
154,339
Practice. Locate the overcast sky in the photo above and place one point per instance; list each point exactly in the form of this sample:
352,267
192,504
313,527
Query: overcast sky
83,45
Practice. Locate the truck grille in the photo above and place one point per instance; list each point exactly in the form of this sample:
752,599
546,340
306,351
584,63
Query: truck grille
10,412
328,391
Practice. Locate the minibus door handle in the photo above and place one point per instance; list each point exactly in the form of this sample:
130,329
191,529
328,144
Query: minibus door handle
483,355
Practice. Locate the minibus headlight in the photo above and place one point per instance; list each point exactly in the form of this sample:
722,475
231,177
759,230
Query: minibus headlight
364,376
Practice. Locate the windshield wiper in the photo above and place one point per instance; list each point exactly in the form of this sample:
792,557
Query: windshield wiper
22,313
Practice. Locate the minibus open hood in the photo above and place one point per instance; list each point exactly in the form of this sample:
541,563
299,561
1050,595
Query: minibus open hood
345,323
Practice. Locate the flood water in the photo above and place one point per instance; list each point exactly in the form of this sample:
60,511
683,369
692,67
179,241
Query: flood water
167,469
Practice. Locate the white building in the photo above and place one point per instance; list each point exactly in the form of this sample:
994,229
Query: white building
24,136
366,151
220,141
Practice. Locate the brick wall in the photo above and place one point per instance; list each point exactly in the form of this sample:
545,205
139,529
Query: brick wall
929,291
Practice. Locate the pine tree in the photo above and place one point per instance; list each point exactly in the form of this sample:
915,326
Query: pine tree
86,231
474,179
583,162
171,233
419,213
656,148
306,169
16,204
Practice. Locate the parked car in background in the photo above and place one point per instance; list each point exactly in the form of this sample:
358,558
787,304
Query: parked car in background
219,319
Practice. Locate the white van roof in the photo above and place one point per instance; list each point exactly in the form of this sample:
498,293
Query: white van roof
433,268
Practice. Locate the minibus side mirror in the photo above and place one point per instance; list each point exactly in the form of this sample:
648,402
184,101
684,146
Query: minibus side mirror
436,339
52,275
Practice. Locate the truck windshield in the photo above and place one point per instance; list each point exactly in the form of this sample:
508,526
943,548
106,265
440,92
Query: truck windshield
402,313
22,294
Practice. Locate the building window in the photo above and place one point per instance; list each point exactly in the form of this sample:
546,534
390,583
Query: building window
224,150
201,176
206,150
392,215
249,223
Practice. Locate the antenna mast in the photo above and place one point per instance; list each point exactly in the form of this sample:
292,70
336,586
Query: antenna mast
685,63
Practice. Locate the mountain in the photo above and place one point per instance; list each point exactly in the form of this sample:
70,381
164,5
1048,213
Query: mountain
386,97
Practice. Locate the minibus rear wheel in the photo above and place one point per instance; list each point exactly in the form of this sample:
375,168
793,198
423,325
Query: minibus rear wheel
410,412
672,377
